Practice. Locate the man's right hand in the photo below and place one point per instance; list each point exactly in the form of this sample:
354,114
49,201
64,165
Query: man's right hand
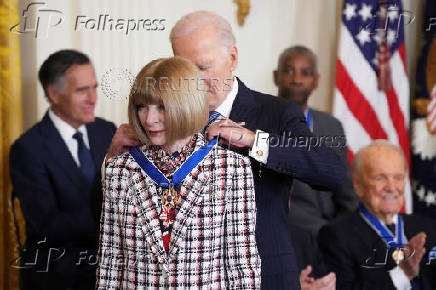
123,139
410,266
328,282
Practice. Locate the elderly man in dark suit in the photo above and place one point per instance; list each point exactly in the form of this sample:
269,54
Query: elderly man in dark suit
207,39
54,170
296,77
377,247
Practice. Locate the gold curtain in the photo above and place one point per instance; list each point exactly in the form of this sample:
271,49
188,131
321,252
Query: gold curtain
11,122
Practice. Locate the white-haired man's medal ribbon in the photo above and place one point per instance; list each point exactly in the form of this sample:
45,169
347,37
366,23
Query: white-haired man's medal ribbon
394,244
169,194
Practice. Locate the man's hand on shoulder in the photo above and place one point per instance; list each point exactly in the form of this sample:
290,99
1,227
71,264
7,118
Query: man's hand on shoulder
231,133
328,282
123,139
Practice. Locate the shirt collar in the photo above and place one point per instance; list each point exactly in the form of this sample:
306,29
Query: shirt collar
65,129
226,106
394,220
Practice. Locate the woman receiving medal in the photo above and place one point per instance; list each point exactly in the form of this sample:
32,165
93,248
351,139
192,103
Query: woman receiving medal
178,212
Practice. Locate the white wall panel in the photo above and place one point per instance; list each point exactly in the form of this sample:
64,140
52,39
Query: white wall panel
270,27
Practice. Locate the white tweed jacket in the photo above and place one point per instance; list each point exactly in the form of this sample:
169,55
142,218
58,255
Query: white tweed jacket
212,242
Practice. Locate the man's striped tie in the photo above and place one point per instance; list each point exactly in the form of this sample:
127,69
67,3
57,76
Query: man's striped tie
213,116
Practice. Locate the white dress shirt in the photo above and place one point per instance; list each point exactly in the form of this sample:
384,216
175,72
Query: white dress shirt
399,278
226,106
67,132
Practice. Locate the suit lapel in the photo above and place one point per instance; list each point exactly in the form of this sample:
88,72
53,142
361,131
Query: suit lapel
146,199
374,247
409,227
191,193
61,155
315,123
245,107
145,196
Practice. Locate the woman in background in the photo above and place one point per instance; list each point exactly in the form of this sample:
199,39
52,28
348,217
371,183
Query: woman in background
178,212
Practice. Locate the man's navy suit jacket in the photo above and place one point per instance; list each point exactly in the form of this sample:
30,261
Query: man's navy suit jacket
311,209
361,259
57,202
319,167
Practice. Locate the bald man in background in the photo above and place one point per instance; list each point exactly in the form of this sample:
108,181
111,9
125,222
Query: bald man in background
377,247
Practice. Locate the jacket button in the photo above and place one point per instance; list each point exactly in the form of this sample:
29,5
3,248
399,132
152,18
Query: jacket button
165,275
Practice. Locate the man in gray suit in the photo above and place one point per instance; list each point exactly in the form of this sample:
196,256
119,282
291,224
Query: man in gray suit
296,77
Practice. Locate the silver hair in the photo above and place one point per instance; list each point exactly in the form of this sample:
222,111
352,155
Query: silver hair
357,160
192,22
60,84
299,49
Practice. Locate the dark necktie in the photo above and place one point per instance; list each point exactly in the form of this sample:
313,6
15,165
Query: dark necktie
85,158
391,227
213,116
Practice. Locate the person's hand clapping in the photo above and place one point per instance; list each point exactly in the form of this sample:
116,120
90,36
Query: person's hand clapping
410,266
328,282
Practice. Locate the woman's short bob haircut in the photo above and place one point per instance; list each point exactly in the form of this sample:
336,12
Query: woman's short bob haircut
171,82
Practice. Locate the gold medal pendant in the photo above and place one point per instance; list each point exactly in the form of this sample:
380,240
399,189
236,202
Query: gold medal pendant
169,198
398,255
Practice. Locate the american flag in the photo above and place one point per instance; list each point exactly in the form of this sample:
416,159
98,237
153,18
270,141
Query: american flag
372,86
424,120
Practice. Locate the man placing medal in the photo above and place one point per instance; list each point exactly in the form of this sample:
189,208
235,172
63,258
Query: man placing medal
377,247
179,212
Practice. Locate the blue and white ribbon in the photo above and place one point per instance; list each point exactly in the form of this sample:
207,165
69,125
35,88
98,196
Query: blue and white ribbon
381,229
180,174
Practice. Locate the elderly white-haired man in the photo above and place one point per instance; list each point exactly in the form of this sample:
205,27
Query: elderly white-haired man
377,247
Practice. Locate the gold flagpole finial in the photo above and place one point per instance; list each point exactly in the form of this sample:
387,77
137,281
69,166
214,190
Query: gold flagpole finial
243,10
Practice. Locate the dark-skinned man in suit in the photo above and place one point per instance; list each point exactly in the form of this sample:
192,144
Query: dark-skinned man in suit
297,77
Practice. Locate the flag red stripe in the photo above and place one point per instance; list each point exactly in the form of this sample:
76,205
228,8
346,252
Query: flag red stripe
350,156
357,104
402,52
398,122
